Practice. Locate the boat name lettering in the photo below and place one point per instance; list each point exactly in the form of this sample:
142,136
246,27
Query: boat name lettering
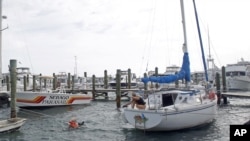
53,101
62,97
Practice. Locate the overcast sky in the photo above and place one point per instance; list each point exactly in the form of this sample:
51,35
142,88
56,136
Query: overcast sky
51,36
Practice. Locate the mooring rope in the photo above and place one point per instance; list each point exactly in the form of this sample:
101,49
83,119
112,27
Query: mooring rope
33,112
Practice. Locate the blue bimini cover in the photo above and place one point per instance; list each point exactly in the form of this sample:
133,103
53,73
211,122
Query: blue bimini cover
184,73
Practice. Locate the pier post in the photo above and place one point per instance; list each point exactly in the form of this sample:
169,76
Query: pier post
73,83
24,83
40,81
34,83
28,81
68,82
224,88
93,87
45,83
106,83
105,79
129,78
145,84
13,88
156,74
217,80
8,83
54,81
118,88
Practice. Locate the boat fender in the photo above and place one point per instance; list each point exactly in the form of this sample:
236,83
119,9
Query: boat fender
211,96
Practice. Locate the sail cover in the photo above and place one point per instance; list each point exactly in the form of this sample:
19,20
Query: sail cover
184,73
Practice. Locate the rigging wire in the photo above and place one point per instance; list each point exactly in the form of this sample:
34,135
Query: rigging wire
23,36
150,32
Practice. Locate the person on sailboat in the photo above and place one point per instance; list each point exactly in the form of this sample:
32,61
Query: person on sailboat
136,101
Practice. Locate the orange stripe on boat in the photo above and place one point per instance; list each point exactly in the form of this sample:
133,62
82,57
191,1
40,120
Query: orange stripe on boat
73,98
37,99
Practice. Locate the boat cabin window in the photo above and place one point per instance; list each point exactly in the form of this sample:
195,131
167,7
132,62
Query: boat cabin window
168,99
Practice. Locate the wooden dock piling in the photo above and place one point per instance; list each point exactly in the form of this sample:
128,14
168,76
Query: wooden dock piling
145,84
105,83
129,79
24,83
68,82
40,81
105,79
156,74
118,88
217,79
224,87
34,83
28,79
73,82
13,65
93,87
8,83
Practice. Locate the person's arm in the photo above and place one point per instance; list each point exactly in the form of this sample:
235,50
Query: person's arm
127,104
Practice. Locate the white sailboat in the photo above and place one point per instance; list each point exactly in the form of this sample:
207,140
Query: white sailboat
174,108
14,122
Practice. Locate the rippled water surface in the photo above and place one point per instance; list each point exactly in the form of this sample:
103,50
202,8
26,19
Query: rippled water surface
103,122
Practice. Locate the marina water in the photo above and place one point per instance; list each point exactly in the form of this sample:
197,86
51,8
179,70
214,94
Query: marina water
104,122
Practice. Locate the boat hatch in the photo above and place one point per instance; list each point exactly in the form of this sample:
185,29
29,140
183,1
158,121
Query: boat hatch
168,99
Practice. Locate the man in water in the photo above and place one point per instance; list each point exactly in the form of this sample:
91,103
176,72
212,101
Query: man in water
136,101
74,124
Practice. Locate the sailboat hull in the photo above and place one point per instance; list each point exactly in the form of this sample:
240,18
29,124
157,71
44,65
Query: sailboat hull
168,120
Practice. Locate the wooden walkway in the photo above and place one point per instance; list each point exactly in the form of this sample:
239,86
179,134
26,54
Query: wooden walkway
237,94
102,90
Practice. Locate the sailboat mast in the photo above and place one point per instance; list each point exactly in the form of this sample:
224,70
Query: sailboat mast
184,27
201,44
1,75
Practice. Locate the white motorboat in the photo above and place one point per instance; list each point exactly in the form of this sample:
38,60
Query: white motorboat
22,72
238,76
124,80
48,98
174,108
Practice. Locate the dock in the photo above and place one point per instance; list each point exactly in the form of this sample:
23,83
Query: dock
245,94
102,90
